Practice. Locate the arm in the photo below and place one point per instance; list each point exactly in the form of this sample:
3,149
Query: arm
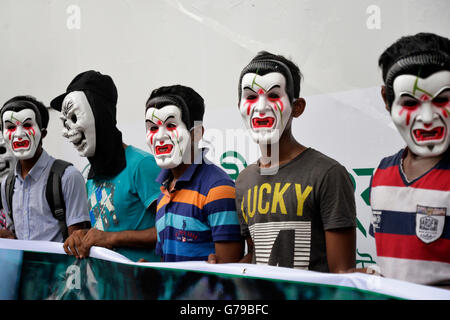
80,242
250,248
341,248
78,226
75,198
6,234
128,238
224,223
76,233
227,252
338,212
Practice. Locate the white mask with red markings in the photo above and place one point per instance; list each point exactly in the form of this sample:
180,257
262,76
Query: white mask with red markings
21,132
421,112
167,135
265,106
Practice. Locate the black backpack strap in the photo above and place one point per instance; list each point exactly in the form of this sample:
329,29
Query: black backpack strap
55,196
9,191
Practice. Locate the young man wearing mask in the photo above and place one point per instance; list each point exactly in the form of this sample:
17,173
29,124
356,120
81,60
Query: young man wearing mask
296,205
196,213
24,125
410,191
120,185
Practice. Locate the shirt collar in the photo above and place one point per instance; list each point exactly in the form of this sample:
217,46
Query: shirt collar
38,168
165,175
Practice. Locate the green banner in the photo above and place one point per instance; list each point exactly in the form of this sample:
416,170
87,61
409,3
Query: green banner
41,271
56,276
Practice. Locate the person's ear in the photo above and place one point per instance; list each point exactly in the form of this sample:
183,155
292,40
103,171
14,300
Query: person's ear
43,133
298,107
383,94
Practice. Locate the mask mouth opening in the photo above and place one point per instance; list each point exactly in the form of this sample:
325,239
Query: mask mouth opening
164,149
266,122
77,139
21,145
434,134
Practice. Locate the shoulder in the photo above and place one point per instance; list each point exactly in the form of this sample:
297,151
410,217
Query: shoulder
321,159
212,176
391,161
135,154
137,157
209,179
317,165
72,175
248,171
216,184
71,171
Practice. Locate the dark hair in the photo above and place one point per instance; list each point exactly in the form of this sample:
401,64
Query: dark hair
191,104
424,53
265,62
19,103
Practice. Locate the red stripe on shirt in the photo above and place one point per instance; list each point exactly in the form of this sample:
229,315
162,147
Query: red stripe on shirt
434,180
411,247
388,177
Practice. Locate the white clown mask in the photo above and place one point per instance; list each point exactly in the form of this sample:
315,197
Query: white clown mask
21,133
7,159
265,106
421,112
79,123
167,135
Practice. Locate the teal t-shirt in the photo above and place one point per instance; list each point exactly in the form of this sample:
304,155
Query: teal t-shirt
121,203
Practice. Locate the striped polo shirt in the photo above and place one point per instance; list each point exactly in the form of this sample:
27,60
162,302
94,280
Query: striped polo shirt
411,222
198,212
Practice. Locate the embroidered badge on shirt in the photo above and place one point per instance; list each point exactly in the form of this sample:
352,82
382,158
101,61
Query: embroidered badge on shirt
430,223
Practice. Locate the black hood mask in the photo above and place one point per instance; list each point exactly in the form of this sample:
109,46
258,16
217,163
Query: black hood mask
101,93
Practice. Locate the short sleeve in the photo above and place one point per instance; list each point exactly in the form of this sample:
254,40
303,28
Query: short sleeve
337,199
371,227
220,209
145,175
239,205
75,196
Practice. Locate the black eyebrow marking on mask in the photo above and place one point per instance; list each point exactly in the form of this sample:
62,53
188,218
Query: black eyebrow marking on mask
249,88
407,94
171,116
274,87
443,90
